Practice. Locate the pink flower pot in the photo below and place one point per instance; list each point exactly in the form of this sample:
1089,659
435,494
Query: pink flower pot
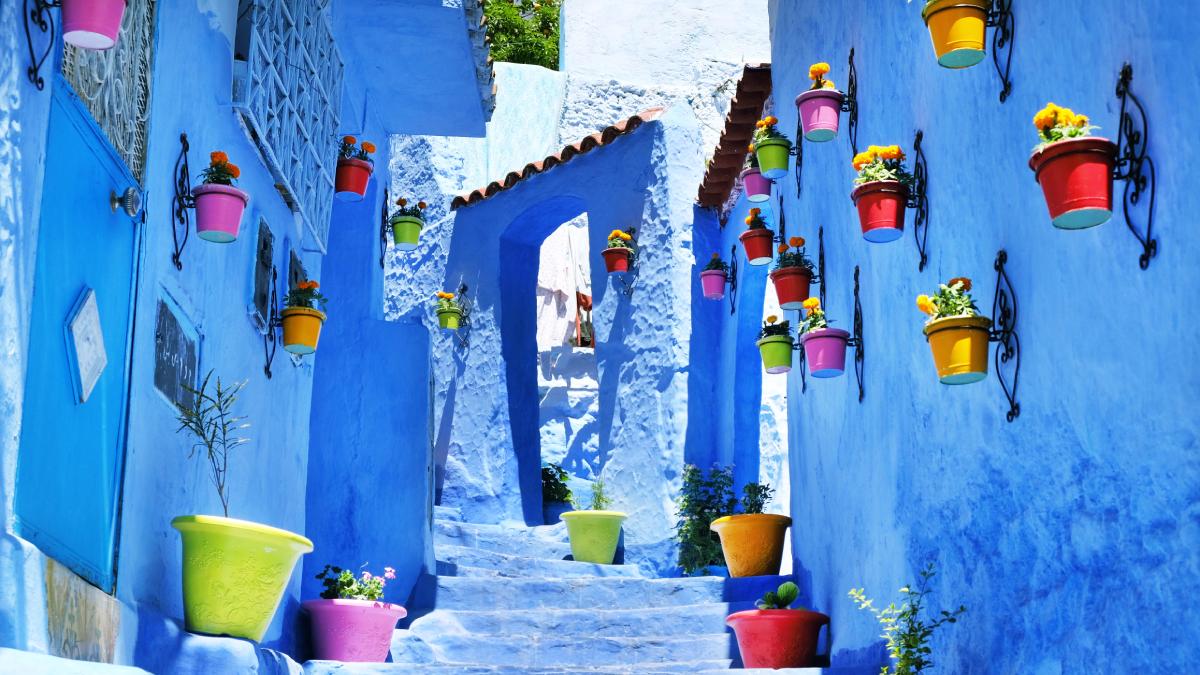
820,111
219,212
825,351
353,630
758,187
92,24
712,282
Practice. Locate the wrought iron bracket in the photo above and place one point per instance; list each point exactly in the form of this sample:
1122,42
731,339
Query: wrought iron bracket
385,226
464,324
918,201
850,104
1004,334
629,279
820,279
732,279
1001,19
797,151
42,20
274,322
1134,165
182,203
856,339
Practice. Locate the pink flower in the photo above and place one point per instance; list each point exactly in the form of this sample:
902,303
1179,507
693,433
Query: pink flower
366,576
389,573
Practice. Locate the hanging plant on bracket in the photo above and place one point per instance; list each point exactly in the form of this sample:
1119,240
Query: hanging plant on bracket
302,320
407,223
714,277
620,252
219,205
824,347
354,169
1074,168
775,345
757,186
793,274
757,238
820,107
882,192
957,334
772,148
449,311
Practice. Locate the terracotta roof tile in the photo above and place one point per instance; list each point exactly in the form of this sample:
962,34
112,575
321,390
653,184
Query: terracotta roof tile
586,144
753,90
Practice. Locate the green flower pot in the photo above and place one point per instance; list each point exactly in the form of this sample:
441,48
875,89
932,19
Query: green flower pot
776,353
406,232
594,534
449,319
235,573
773,157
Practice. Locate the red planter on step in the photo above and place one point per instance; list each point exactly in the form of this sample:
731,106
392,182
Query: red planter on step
350,183
757,242
791,286
1076,176
616,259
881,205
778,638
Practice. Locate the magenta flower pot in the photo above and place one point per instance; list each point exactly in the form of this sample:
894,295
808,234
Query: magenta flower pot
758,187
712,282
92,24
353,630
820,111
219,212
825,351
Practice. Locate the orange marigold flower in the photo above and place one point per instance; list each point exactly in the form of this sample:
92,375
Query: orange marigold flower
750,147
812,303
755,211
749,220
797,242
818,70
716,256
234,170
783,248
218,157
421,205
772,319
402,201
349,140
368,147
772,121
828,84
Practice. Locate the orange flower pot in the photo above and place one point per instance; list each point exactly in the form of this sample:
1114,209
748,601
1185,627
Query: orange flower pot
302,329
958,29
752,542
960,348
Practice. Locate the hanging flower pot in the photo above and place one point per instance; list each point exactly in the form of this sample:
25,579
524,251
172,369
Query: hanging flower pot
714,277
775,344
882,192
758,188
774,636
351,622
1074,169
957,28
792,275
449,311
354,168
757,239
752,542
219,205
92,24
820,107
620,251
824,347
407,223
302,320
771,148
957,335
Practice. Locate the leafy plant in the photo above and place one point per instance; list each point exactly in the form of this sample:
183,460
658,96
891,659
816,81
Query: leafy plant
817,73
350,149
751,159
953,299
220,170
622,239
754,221
524,31
705,496
755,497
814,319
415,211
792,254
447,303
210,419
342,584
772,326
781,598
715,263
881,162
554,484
765,130
907,632
1055,123
305,294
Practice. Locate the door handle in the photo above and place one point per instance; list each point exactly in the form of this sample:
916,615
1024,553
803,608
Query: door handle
129,201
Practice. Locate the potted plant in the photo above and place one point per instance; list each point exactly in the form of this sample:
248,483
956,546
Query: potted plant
757,186
704,497
556,495
596,531
757,238
908,633
714,278
1074,168
92,24
219,205
407,223
354,168
351,622
957,335
301,319
957,28
882,192
775,344
620,252
824,347
234,571
775,636
820,107
772,147
752,541
449,311
792,275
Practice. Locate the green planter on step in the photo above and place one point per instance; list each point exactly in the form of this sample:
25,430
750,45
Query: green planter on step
594,534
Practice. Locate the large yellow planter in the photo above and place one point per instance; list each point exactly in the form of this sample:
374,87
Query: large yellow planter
752,542
302,329
235,573
960,348
958,29
594,534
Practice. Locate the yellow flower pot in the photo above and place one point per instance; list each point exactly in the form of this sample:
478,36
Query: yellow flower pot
594,535
958,30
752,542
302,329
960,348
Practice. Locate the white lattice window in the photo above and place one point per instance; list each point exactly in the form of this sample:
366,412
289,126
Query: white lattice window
287,89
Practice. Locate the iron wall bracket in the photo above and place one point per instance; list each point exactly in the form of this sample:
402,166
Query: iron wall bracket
1000,17
1004,334
918,201
182,203
42,20
1134,164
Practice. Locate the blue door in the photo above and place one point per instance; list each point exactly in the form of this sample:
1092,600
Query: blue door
76,387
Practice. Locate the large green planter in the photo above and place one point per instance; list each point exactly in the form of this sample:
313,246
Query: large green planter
594,534
406,232
235,573
776,353
773,156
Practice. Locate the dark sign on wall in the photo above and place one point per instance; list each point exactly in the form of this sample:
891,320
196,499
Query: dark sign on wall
176,356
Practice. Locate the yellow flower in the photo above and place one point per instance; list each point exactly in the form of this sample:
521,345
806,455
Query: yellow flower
828,84
1047,117
772,120
812,303
625,236
925,304
750,147
1080,121
891,152
772,319
760,124
749,220
862,159
818,70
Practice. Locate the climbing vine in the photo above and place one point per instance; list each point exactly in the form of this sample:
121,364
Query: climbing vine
524,31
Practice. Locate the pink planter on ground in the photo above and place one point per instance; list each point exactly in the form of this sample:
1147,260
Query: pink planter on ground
92,24
712,282
353,630
219,212
820,112
758,187
825,351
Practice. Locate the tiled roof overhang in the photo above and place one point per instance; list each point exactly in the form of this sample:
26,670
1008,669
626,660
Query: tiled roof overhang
753,90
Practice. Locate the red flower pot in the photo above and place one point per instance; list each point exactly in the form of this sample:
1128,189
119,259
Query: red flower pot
791,286
757,242
777,638
881,205
1077,179
350,183
616,259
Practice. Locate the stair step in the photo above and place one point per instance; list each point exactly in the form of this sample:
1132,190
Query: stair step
660,622
339,668
31,663
549,650
546,541
506,565
447,513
